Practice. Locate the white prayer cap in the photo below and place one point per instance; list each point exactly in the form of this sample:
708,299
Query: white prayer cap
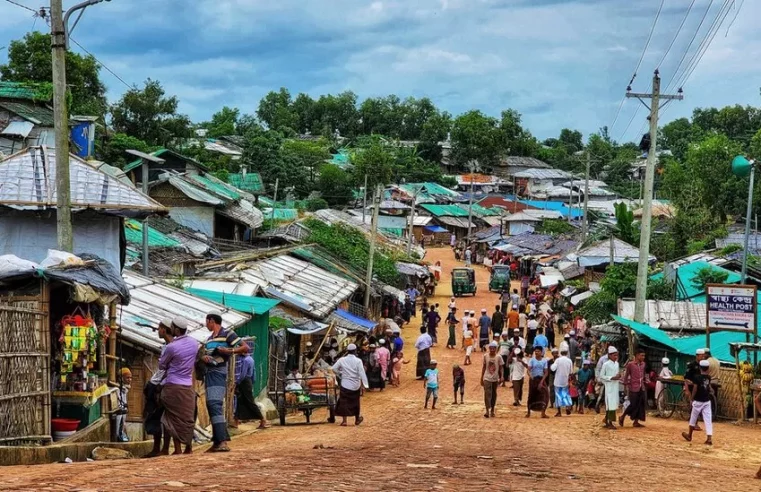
382,341
483,310
504,334
493,344
397,330
573,333
612,350
516,351
700,352
351,347
587,361
372,345
214,312
665,361
433,362
166,322
704,363
309,344
567,335
516,330
180,322
554,350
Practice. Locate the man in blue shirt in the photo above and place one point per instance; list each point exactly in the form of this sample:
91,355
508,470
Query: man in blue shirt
541,340
413,293
484,322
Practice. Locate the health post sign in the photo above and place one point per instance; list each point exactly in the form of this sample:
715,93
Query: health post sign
731,307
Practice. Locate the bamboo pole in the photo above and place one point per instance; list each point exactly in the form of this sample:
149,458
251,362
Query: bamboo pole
111,356
319,349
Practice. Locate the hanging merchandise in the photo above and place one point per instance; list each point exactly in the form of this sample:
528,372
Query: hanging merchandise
79,340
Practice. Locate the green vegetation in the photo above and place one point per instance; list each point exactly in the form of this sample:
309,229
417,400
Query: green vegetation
709,276
554,227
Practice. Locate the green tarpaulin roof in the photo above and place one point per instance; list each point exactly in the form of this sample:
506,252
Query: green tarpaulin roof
688,345
24,90
244,304
281,213
133,230
251,182
445,210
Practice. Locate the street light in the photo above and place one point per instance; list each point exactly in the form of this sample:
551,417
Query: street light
742,167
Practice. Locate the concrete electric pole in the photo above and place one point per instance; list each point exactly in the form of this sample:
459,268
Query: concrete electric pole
61,118
59,43
644,241
585,219
369,277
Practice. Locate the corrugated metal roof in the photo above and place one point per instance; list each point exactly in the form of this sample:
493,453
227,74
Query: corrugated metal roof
244,212
27,182
152,301
445,210
599,253
522,217
224,286
543,174
461,222
317,291
556,206
540,243
133,230
18,129
349,321
519,161
39,115
161,152
194,192
244,304
215,186
421,220
251,182
674,315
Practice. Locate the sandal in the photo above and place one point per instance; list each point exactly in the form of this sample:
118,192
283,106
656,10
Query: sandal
686,437
359,420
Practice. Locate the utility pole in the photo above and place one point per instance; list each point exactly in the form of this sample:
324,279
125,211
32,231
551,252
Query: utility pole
644,242
364,200
59,25
369,277
274,204
412,225
585,221
470,204
61,119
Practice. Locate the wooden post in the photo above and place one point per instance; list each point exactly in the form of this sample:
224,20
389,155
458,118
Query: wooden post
112,342
740,383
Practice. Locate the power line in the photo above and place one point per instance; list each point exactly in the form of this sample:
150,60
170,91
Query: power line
22,6
639,63
676,34
101,63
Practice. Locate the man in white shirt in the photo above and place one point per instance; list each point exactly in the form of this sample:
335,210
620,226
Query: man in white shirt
563,368
351,372
423,346
599,386
517,375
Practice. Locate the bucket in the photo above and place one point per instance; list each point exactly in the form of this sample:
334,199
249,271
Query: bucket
64,425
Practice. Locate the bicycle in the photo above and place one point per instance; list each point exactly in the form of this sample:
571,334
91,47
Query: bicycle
669,400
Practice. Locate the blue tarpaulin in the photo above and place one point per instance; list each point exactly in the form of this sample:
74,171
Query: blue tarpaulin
350,321
435,229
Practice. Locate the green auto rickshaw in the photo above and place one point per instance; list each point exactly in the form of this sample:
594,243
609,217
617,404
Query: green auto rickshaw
463,281
500,278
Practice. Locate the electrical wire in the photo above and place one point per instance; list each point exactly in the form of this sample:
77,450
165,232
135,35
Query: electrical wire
22,6
684,55
101,64
676,34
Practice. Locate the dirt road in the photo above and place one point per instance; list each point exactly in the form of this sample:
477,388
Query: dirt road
400,446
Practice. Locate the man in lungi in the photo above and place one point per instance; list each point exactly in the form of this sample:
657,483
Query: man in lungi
537,386
353,379
220,345
177,394
152,409
245,405
423,345
563,368
635,379
700,398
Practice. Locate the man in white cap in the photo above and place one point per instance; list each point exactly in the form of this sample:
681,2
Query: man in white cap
383,355
610,375
700,398
713,372
423,345
693,370
599,386
351,372
660,397
152,410
307,357
565,344
573,347
518,368
491,377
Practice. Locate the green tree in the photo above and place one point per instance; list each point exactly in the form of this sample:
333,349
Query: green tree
334,185
376,161
571,140
709,162
261,152
709,275
111,148
150,115
30,60
223,122
435,130
678,135
625,229
275,111
476,137
336,113
303,109
306,156
515,139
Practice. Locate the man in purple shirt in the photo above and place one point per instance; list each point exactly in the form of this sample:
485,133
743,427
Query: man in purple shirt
177,394
245,405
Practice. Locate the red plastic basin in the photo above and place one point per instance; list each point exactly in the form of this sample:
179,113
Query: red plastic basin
64,425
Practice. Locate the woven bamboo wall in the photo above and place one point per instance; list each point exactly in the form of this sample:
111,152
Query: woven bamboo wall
731,402
24,371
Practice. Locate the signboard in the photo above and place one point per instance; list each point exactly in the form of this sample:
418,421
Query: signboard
731,307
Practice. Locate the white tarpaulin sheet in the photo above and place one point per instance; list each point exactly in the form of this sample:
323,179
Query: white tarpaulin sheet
580,297
30,237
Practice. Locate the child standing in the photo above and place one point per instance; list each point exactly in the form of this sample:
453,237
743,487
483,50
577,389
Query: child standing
458,377
431,384
396,368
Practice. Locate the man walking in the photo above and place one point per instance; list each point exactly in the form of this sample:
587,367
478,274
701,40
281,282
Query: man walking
178,396
574,350
497,323
610,375
491,377
563,367
635,379
713,373
537,386
483,330
220,345
700,398
351,372
413,293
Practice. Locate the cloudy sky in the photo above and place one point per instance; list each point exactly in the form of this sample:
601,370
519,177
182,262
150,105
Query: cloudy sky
561,63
